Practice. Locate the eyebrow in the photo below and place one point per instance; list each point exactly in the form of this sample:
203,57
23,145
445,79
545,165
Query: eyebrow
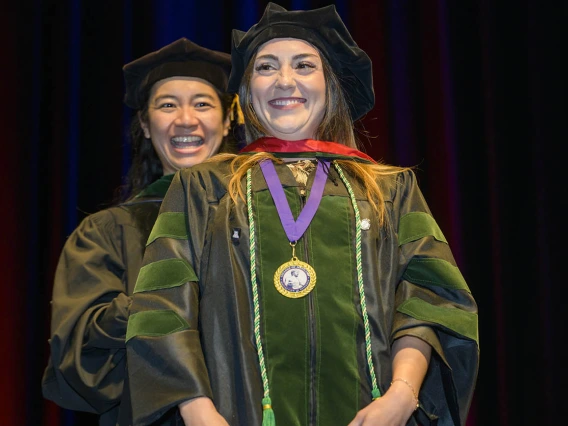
196,96
295,57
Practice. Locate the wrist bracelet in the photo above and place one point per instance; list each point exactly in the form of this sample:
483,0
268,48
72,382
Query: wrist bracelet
414,394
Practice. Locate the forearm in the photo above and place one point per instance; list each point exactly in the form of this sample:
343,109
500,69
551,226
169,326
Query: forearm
88,356
190,409
107,324
410,360
200,411
411,357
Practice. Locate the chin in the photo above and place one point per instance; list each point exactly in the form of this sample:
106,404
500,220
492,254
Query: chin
186,164
292,137
295,136
289,132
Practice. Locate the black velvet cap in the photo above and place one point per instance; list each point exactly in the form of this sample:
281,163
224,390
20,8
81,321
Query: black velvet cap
181,58
324,29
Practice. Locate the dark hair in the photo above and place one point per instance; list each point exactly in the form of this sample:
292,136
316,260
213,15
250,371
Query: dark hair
146,166
336,125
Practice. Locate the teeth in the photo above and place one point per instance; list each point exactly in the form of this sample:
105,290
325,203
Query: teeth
186,139
284,102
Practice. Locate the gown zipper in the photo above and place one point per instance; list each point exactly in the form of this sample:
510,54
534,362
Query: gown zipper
312,333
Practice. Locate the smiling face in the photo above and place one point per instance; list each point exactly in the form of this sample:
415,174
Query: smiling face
185,122
288,88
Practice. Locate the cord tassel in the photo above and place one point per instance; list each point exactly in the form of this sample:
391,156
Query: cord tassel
267,413
376,393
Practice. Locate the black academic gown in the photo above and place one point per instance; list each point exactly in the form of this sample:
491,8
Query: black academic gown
191,330
93,283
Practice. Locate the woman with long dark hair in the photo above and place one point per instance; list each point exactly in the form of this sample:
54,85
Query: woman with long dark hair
306,284
182,116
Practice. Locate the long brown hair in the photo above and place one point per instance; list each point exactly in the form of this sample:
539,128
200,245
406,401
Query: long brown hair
336,126
366,176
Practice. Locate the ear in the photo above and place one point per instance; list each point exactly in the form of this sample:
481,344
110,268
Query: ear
144,125
227,125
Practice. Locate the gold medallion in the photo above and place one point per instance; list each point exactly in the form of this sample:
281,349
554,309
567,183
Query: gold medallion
295,278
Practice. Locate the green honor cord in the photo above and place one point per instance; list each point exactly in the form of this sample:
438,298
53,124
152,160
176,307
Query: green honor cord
375,392
267,412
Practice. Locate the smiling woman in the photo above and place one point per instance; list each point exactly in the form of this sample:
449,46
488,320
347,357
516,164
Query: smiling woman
289,89
182,117
186,122
305,283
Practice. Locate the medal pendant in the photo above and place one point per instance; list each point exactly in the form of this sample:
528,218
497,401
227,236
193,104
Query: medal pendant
295,279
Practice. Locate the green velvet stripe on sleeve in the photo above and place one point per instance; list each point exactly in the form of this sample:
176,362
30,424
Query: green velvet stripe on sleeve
154,323
437,272
162,274
457,320
416,225
169,225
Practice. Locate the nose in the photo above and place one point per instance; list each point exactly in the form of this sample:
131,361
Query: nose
186,117
285,79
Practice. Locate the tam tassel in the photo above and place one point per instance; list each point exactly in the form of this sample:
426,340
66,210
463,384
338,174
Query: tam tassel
236,111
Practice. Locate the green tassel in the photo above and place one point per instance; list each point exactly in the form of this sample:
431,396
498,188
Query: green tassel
267,413
376,393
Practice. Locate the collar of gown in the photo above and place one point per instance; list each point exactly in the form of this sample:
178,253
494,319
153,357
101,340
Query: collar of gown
299,148
158,188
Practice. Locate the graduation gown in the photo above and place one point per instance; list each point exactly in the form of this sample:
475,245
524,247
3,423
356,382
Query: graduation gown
191,331
94,280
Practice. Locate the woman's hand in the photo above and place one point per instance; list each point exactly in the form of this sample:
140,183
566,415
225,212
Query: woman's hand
411,357
394,408
201,412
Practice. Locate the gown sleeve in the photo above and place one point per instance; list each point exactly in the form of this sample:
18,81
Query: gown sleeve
434,303
165,359
89,316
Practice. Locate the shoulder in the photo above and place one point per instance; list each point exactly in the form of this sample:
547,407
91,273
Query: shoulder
103,219
111,221
214,168
396,184
97,230
211,178
122,214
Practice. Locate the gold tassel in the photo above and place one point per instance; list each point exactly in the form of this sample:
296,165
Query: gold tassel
237,111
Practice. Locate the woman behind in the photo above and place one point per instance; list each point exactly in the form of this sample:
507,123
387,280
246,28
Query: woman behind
182,117
311,284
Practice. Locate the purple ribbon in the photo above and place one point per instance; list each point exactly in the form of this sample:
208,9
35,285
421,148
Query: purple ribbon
294,228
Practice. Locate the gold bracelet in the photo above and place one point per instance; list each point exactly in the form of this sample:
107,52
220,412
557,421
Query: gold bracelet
414,394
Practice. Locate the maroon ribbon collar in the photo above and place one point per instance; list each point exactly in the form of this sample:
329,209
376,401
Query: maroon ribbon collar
276,145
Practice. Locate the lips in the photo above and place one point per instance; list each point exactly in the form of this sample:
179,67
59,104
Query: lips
186,141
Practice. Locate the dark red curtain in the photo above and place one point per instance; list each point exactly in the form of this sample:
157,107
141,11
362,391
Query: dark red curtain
472,93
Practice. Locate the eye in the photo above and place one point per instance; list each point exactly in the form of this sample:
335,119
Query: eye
264,66
203,105
166,105
305,65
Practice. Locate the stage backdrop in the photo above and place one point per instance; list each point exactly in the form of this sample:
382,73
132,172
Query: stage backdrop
471,93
